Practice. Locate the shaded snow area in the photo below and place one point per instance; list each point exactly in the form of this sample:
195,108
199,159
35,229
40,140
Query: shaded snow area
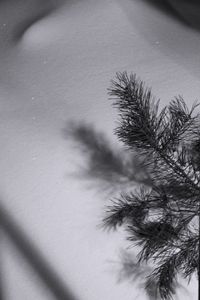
56,62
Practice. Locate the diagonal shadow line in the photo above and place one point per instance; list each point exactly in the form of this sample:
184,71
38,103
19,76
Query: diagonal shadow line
185,11
38,263
2,296
166,8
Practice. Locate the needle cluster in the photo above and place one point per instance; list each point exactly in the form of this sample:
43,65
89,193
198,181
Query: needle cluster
162,217
157,177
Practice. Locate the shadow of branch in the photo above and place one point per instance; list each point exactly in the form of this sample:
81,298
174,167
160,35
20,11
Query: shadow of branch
113,168
133,271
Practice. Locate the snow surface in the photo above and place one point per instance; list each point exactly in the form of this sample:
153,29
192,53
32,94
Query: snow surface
57,59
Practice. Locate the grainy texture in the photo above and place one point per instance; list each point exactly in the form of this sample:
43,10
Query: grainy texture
59,69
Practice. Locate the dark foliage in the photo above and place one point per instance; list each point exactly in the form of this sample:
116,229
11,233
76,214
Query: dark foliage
162,219
159,179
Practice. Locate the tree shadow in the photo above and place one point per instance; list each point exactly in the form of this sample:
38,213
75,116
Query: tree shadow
114,169
134,272
111,168
48,277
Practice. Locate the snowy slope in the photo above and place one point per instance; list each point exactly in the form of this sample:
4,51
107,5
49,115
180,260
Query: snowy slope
56,64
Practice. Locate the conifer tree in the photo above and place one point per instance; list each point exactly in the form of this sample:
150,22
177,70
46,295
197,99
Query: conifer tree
161,213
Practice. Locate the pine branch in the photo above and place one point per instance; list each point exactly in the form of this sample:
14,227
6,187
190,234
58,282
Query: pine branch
143,129
159,221
161,216
165,279
126,207
138,112
180,122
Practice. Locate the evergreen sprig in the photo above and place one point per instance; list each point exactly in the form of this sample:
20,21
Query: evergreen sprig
163,219
162,159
